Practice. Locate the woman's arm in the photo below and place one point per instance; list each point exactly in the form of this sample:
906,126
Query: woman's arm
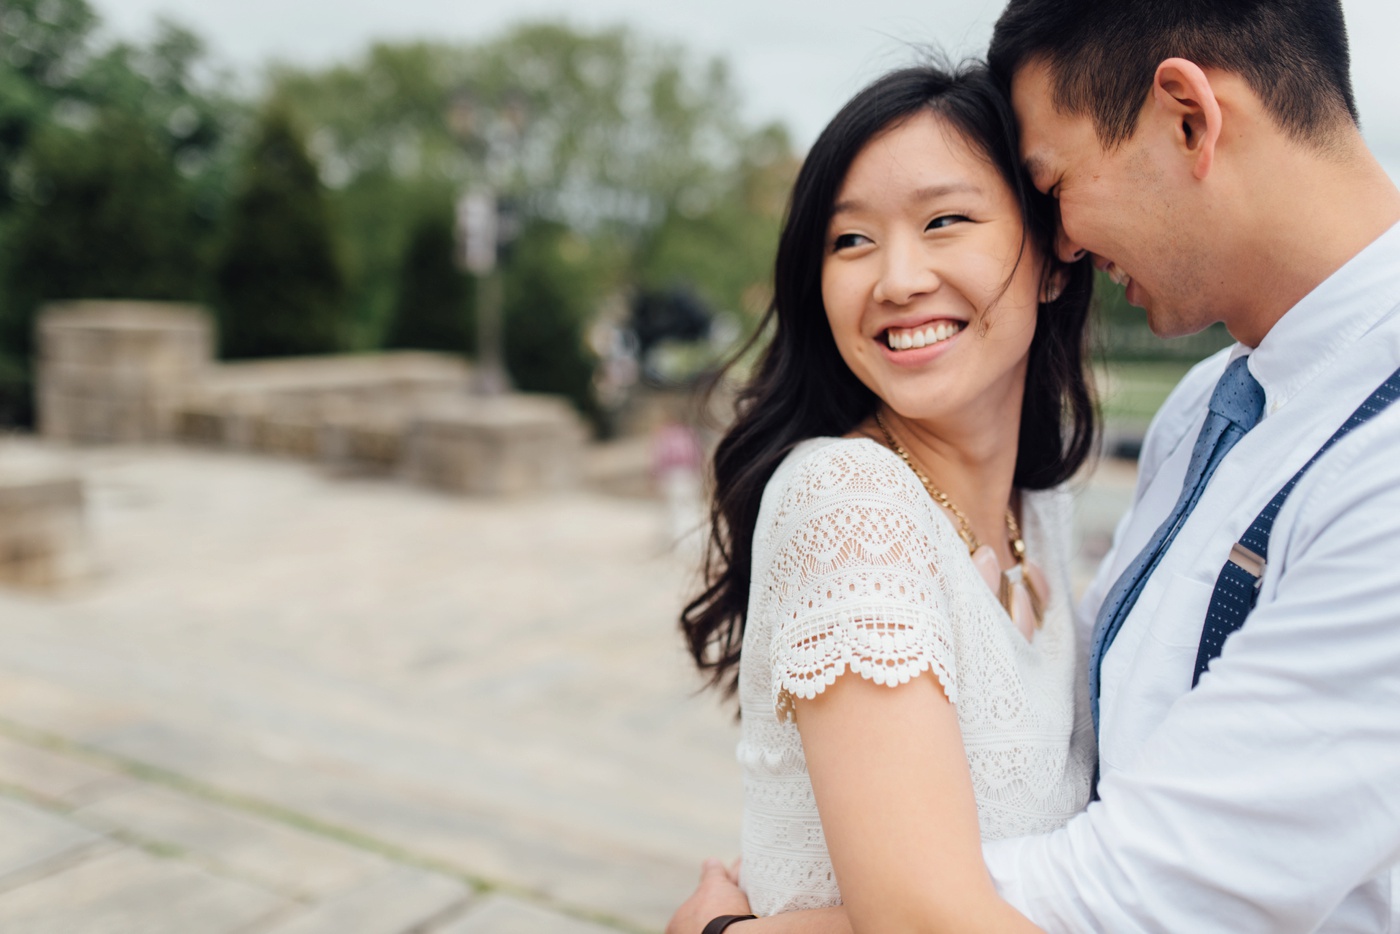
897,807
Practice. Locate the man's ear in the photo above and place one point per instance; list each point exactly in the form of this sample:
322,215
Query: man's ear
1182,90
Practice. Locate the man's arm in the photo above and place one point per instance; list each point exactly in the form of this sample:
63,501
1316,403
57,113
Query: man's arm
1272,790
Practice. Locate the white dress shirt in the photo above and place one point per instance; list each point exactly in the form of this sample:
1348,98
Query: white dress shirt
1267,799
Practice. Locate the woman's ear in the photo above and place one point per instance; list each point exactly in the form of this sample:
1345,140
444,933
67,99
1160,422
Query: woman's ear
1183,93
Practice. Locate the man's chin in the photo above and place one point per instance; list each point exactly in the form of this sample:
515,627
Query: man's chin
1165,325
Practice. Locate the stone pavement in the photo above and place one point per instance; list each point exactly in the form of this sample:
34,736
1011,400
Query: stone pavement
290,703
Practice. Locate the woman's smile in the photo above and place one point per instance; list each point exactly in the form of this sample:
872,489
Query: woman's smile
917,345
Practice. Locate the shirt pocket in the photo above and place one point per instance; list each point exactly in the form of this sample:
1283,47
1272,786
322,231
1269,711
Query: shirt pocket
1158,669
1180,614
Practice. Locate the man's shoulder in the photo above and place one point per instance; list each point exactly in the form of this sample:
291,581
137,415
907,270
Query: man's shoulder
1358,476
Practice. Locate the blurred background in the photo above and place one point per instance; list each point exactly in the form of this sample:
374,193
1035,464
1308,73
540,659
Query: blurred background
351,442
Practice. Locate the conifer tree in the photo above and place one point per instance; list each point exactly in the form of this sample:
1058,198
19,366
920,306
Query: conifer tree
279,287
547,305
433,308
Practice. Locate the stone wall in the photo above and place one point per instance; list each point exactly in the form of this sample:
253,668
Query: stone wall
347,411
117,371
141,372
43,531
501,446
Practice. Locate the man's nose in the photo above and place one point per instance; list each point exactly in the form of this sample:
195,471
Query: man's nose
1066,248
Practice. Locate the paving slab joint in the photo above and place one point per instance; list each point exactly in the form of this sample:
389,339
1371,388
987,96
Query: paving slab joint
156,775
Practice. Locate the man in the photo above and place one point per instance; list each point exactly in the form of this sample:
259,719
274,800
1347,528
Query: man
1206,153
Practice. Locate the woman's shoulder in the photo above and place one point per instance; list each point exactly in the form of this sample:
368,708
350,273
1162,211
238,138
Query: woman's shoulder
818,468
851,487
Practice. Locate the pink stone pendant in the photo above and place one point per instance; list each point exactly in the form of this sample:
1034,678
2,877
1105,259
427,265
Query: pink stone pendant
985,560
1021,611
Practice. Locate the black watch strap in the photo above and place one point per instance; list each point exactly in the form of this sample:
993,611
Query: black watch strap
723,921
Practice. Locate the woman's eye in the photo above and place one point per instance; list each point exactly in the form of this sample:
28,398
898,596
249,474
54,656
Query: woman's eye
945,220
846,241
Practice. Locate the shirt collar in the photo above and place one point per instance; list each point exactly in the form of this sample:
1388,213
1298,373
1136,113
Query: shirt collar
1332,317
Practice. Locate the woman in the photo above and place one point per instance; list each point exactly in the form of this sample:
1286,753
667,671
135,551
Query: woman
884,507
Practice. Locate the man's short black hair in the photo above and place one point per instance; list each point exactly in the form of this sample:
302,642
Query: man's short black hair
1102,55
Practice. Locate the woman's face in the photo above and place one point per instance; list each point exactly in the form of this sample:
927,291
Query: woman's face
920,277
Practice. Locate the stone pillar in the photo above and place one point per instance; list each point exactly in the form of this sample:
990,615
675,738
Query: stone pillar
117,371
497,446
43,532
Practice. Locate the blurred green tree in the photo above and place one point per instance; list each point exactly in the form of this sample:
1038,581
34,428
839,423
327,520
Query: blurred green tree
549,285
630,143
44,45
108,218
105,216
171,85
113,166
278,285
433,309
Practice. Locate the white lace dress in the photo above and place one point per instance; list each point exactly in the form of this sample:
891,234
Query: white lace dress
856,569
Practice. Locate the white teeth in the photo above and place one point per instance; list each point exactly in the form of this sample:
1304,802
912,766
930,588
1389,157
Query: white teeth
920,337
1118,276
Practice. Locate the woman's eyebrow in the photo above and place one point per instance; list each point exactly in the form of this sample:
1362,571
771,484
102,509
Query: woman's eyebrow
930,192
927,193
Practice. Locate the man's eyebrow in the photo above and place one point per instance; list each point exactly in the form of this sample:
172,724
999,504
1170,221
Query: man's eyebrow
927,193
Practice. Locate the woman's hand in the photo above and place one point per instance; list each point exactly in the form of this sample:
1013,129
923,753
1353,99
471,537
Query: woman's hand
717,894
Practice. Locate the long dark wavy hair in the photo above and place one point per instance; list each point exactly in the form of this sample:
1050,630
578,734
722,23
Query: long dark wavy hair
803,389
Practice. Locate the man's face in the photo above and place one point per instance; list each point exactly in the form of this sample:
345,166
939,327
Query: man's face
1125,206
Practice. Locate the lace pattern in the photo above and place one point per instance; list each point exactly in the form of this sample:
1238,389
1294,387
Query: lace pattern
856,570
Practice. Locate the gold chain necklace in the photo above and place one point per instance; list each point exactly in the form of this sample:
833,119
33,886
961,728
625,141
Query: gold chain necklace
1009,579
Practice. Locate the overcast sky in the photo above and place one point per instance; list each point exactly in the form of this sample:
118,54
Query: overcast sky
794,62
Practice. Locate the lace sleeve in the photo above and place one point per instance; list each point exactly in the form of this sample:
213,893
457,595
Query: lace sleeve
855,578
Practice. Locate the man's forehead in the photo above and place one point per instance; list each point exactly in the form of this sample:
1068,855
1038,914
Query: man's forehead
1045,130
1031,98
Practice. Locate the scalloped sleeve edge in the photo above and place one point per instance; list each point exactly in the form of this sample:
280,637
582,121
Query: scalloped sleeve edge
890,648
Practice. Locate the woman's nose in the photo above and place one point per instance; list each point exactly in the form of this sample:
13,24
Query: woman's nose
906,273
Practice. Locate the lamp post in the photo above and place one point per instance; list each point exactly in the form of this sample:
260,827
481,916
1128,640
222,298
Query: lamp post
477,227
492,136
